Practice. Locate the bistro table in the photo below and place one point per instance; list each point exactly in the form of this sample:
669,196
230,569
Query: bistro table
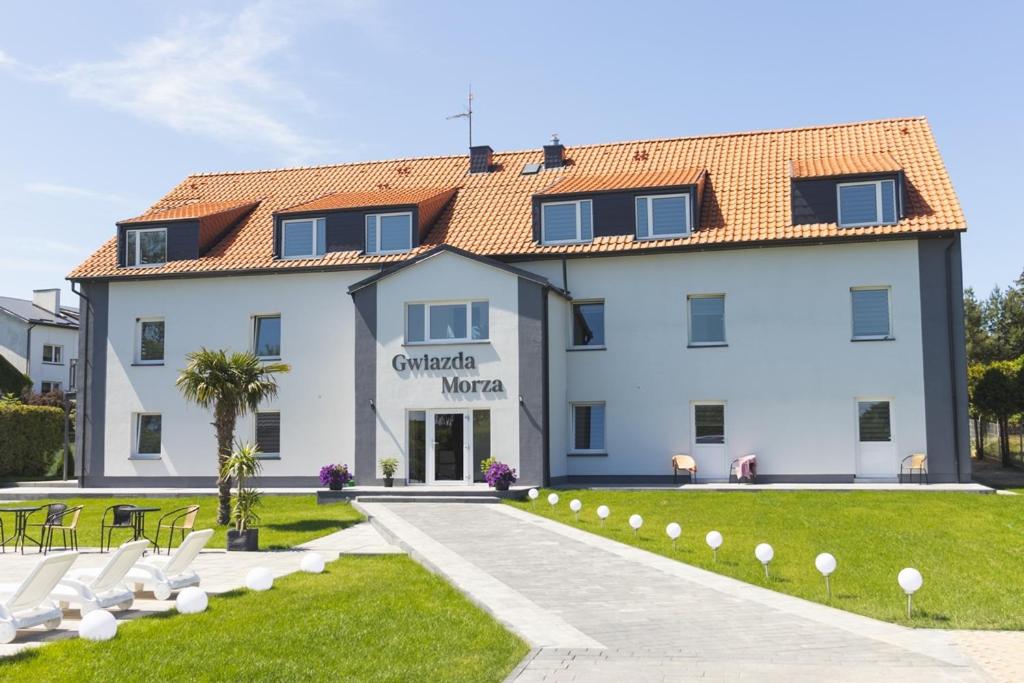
138,513
21,514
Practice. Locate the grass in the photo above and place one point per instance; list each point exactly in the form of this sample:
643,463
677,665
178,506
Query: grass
364,619
286,521
969,547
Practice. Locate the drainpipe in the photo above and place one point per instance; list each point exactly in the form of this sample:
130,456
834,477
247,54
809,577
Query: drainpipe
952,358
565,274
81,382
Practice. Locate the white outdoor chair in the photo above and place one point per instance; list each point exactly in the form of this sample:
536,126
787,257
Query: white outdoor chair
103,587
172,573
28,604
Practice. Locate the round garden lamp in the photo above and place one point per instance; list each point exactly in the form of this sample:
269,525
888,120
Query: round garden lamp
192,600
764,554
98,625
714,541
826,564
603,512
553,499
575,505
910,581
636,521
673,530
312,563
259,579
534,494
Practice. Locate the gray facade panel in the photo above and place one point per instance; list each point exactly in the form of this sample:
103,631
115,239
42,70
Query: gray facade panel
532,383
92,381
365,301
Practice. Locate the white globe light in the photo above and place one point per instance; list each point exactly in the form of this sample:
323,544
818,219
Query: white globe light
714,540
673,530
533,493
192,600
764,553
553,498
825,563
910,580
312,563
97,625
636,521
259,579
603,511
575,505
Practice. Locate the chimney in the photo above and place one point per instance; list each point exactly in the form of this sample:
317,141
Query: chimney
554,154
47,299
480,158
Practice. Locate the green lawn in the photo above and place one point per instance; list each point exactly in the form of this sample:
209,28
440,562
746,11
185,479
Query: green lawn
969,548
364,619
286,520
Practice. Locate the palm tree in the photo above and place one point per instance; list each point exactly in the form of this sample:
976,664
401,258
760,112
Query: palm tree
233,385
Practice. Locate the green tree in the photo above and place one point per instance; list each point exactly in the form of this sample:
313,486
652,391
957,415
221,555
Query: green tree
999,395
975,371
979,341
233,385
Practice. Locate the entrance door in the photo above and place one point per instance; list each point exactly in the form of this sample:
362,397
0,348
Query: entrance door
448,460
876,450
707,424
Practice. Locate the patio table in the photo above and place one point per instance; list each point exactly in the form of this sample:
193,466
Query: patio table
21,514
138,513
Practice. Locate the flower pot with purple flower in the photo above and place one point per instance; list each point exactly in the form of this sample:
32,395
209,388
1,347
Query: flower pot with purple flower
500,476
335,477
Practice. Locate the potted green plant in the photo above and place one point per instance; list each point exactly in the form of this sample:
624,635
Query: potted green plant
242,465
388,467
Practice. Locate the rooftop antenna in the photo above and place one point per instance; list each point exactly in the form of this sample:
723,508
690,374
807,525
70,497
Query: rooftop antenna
468,114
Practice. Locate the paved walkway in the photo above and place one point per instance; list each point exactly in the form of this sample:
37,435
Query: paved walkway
597,610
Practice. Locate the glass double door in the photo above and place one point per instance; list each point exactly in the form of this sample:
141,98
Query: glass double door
447,446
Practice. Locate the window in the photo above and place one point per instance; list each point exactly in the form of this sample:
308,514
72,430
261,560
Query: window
268,433
588,427
588,324
303,238
267,336
147,435
707,320
481,441
666,215
53,354
47,387
871,318
145,247
869,203
426,323
417,446
874,421
563,222
149,349
388,233
73,374
709,423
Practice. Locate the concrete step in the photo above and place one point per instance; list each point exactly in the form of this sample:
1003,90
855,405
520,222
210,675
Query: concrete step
486,500
51,484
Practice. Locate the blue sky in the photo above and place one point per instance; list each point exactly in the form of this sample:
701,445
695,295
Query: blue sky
105,106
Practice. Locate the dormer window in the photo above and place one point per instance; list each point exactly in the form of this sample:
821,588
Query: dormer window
145,247
388,233
867,203
660,216
565,222
303,237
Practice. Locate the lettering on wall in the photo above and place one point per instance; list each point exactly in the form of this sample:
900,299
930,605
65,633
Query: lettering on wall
452,384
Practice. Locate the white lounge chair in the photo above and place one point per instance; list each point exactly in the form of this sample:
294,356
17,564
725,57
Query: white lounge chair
168,574
102,587
27,604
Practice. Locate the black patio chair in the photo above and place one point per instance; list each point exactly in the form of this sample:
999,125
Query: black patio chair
51,511
67,523
121,518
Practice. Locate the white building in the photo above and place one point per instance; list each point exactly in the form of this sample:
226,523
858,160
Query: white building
580,313
40,339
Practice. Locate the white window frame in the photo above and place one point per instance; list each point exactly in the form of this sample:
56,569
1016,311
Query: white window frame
579,222
255,430
428,340
572,325
648,198
255,339
138,247
378,216
57,349
54,386
725,422
317,222
872,337
138,340
572,427
689,321
137,432
878,203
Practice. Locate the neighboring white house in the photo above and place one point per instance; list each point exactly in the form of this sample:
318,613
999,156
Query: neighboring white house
580,313
40,338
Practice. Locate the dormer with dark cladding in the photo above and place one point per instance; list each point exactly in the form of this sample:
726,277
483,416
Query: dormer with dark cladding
815,182
345,214
192,229
614,197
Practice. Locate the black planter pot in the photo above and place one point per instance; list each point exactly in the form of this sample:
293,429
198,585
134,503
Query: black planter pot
501,486
336,486
248,540
389,482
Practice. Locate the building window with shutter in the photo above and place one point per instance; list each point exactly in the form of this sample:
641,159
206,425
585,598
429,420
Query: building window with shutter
268,434
872,313
567,222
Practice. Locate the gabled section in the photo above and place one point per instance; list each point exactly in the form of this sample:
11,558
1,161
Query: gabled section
650,180
176,234
835,167
853,191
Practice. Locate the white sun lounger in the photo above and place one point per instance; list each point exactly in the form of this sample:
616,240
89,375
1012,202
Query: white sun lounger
168,574
27,604
101,587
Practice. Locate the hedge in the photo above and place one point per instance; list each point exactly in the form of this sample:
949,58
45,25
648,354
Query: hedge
11,380
31,438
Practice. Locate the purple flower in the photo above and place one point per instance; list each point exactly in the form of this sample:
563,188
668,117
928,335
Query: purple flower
501,473
335,475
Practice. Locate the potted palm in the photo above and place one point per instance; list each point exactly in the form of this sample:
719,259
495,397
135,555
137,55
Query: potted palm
242,465
388,467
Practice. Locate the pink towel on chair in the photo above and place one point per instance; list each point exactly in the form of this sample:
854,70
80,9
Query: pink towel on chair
746,467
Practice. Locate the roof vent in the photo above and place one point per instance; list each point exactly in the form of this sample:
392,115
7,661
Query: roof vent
554,154
481,159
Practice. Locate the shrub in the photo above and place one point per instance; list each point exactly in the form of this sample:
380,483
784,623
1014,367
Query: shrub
30,439
11,380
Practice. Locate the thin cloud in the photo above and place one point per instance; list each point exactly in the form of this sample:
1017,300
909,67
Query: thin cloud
57,190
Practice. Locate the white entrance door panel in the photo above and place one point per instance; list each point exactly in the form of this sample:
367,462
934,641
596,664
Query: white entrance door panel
707,425
876,448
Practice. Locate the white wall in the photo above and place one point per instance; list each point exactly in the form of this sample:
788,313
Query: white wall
315,397
789,375
50,372
13,340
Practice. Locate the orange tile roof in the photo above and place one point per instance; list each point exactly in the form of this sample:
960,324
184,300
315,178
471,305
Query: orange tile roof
746,196
387,196
857,164
578,183
189,212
